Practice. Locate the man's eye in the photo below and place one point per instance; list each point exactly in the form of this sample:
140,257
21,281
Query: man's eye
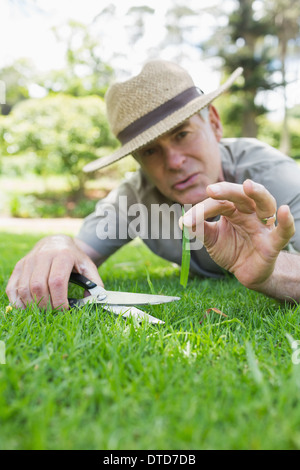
182,135
148,152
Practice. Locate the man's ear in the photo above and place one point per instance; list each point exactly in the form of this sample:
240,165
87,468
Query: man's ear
215,122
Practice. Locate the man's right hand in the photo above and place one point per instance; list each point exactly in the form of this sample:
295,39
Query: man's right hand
43,274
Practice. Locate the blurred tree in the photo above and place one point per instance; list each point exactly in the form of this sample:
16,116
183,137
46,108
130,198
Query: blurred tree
285,15
131,25
25,6
61,132
181,22
177,24
17,78
295,112
270,132
241,43
257,36
85,72
136,29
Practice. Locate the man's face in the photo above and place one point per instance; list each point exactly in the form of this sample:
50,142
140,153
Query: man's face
185,161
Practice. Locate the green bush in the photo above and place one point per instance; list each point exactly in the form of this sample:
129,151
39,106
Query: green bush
230,109
62,132
270,132
31,206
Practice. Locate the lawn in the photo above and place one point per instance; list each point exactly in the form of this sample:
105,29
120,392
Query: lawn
85,379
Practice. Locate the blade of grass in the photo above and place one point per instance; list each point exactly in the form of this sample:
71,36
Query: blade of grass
186,255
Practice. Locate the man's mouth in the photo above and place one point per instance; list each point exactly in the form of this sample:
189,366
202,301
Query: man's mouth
184,184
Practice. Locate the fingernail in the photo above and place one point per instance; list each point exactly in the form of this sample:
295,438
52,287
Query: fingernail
249,182
187,219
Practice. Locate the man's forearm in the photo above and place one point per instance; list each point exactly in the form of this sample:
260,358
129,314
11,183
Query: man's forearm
284,283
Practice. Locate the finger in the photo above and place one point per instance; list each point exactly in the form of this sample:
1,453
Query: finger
58,281
285,229
265,202
11,288
39,282
207,209
88,269
232,192
23,285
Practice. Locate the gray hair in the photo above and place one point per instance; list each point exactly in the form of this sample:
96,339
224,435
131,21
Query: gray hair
204,113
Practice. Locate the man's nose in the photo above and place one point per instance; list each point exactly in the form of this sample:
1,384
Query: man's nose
174,158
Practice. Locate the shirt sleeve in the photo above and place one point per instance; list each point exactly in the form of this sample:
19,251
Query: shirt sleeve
106,229
277,172
285,187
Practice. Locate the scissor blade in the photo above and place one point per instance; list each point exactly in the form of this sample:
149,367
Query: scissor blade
130,298
126,312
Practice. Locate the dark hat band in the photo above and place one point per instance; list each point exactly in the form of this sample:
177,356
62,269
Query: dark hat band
158,114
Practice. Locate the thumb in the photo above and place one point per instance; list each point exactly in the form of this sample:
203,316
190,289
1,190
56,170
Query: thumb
285,228
89,270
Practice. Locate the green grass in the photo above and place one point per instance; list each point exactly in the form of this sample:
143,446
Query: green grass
85,379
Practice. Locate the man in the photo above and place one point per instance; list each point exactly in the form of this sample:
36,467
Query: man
175,134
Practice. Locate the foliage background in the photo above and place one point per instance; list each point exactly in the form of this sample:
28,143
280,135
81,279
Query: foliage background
53,121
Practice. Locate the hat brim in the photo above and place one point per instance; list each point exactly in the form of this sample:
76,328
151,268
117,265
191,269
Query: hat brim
163,126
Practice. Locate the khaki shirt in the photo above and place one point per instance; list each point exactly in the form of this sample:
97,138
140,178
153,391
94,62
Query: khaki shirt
110,226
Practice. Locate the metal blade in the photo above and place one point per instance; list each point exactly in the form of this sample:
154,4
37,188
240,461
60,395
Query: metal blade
129,298
126,312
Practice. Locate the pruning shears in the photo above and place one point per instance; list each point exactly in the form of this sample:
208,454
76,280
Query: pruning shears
120,303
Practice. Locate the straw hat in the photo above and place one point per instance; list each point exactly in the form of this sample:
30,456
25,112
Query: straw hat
150,104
